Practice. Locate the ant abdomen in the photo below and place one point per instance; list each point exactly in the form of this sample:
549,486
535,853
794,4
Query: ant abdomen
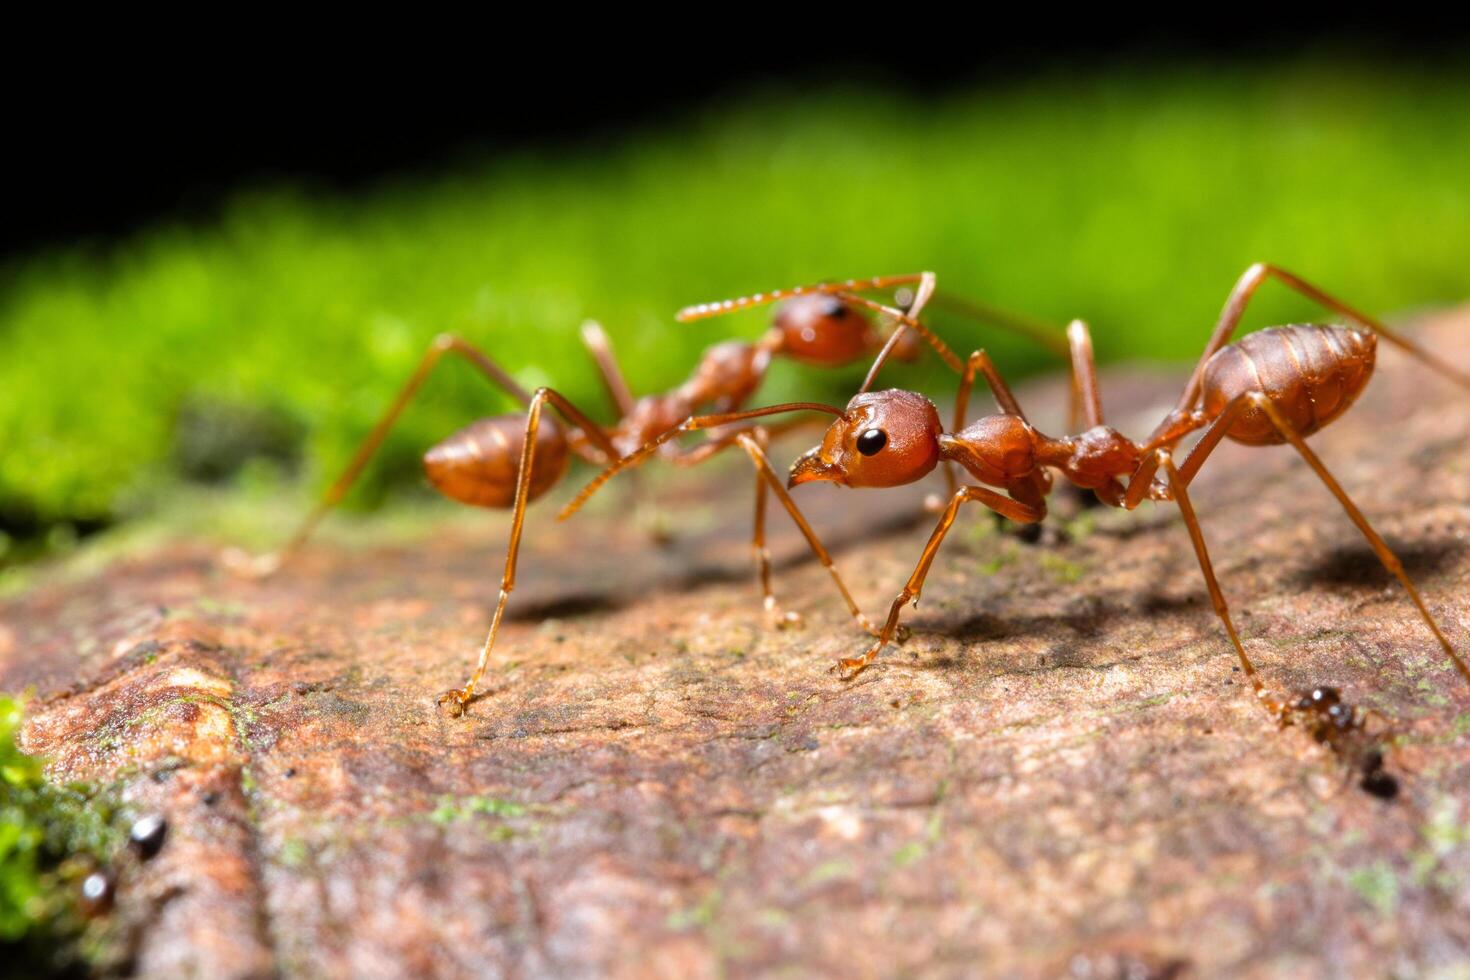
1311,372
478,465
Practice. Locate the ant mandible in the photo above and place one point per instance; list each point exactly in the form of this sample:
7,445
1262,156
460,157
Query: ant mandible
1270,387
511,460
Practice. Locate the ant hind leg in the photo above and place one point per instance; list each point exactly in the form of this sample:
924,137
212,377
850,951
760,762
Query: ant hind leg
1380,547
260,566
1246,287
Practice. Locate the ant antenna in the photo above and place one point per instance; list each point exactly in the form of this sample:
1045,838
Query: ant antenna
701,311
692,424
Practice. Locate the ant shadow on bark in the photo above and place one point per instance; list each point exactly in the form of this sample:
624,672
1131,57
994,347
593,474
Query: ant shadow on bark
1355,564
1084,621
683,568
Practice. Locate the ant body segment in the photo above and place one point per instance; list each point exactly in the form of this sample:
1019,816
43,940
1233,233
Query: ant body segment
1271,387
507,461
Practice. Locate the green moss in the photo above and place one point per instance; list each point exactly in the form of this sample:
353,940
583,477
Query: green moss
51,837
837,869
293,853
277,332
452,809
1061,570
909,853
701,916
1378,886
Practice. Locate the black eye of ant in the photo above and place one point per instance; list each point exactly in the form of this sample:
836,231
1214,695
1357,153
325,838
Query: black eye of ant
835,307
872,441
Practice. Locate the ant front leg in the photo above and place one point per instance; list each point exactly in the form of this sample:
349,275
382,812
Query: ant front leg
1084,408
1015,510
597,344
980,362
1086,395
774,614
750,439
766,477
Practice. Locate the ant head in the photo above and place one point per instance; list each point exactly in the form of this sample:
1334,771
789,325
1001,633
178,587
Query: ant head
822,329
883,439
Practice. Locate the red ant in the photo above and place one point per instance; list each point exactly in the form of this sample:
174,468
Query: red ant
1270,387
510,460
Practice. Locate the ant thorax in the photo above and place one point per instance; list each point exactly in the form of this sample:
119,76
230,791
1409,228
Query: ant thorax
650,416
1095,458
727,375
999,450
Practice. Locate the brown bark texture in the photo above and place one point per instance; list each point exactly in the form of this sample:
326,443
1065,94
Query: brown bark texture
1059,773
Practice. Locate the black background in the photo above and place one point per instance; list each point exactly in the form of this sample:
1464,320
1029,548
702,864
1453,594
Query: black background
108,137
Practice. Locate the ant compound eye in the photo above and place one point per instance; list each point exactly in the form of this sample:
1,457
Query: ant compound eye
872,441
835,307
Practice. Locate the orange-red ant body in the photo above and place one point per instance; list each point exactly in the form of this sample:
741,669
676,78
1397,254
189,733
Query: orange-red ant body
1271,387
511,460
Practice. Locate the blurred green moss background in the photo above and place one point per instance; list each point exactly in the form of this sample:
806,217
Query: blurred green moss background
279,330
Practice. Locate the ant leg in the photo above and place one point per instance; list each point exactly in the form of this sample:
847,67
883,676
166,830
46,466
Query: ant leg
767,477
1183,476
1084,375
595,339
1180,490
901,320
909,320
1037,330
1380,547
1246,287
263,565
645,510
980,361
752,440
455,701
1013,509
1084,405
763,554
718,442
1175,427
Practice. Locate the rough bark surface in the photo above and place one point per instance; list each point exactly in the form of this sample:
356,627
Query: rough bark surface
1058,773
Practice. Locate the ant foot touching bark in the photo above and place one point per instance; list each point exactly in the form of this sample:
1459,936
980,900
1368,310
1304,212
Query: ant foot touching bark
454,702
783,619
